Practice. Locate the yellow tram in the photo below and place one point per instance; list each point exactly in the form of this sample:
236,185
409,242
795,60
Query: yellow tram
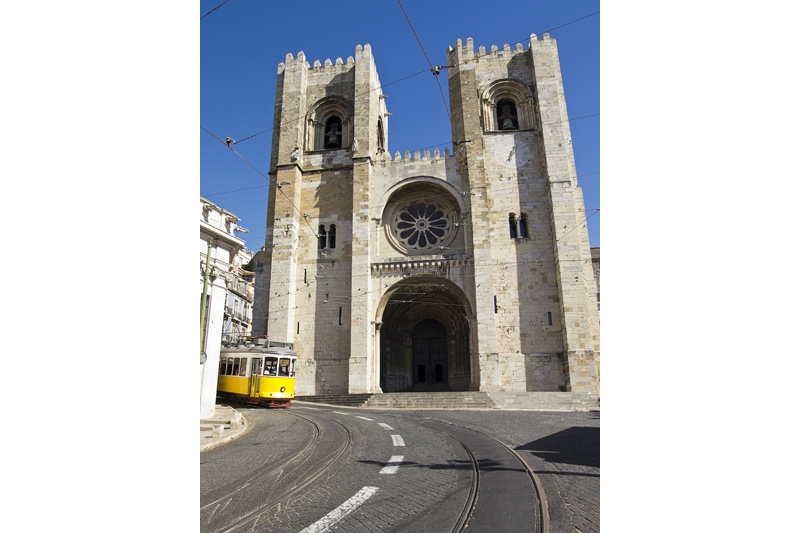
259,374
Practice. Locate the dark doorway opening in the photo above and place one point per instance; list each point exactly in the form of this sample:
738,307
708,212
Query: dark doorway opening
429,352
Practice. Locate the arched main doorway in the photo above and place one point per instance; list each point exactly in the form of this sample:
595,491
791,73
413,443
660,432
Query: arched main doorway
425,337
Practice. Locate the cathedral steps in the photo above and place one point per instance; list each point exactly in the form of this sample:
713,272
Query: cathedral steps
535,401
431,400
546,401
349,400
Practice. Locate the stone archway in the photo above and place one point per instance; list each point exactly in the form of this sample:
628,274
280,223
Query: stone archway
425,337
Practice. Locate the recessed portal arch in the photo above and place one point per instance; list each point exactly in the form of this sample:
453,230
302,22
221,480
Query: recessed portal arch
425,337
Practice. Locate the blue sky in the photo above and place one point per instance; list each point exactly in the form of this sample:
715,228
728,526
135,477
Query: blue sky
242,42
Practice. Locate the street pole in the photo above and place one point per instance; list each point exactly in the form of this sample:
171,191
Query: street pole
203,305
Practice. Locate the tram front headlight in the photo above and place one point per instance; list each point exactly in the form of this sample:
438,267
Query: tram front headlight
283,389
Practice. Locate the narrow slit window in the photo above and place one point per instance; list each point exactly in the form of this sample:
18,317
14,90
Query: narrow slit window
381,143
332,236
340,316
512,225
549,318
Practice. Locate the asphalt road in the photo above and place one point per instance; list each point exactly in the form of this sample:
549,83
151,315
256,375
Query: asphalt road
402,471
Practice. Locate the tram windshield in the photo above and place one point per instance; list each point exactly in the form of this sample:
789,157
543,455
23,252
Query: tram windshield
270,366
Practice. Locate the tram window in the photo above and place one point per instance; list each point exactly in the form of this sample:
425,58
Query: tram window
222,362
229,367
235,367
292,368
243,367
284,367
270,366
258,365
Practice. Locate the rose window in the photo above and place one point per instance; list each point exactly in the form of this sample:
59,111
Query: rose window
421,226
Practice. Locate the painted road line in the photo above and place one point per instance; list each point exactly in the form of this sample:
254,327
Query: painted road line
385,426
393,464
397,440
365,418
304,407
325,523
341,413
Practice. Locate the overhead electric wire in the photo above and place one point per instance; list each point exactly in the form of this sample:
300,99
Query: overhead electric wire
235,190
278,187
214,9
434,70
431,67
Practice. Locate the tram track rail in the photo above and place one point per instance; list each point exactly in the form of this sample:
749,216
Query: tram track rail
298,486
472,497
262,473
540,502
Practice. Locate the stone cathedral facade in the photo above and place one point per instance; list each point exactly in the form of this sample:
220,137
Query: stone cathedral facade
456,271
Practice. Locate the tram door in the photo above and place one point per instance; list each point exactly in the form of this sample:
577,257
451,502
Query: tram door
429,353
256,367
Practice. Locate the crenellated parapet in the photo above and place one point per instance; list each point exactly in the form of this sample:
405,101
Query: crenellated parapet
363,55
416,158
291,61
466,51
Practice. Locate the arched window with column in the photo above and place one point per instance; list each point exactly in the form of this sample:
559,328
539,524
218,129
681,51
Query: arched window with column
327,237
329,124
518,226
507,105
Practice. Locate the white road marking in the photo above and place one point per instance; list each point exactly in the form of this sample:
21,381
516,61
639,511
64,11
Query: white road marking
385,426
364,418
341,413
397,440
304,407
325,523
393,464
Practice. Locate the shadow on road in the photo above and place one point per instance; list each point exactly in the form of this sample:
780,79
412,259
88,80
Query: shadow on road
576,446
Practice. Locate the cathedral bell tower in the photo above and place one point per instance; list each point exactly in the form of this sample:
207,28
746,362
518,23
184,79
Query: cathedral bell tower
330,124
533,277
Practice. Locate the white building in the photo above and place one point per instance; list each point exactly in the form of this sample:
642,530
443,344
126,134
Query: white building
239,304
217,241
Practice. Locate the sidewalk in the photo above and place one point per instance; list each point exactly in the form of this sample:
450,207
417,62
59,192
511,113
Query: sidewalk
226,424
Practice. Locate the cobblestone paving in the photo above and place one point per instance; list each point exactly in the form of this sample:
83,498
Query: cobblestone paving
564,450
261,444
431,484
430,472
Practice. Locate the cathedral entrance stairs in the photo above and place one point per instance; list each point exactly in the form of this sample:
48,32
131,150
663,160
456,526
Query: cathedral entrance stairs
431,400
349,400
533,401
